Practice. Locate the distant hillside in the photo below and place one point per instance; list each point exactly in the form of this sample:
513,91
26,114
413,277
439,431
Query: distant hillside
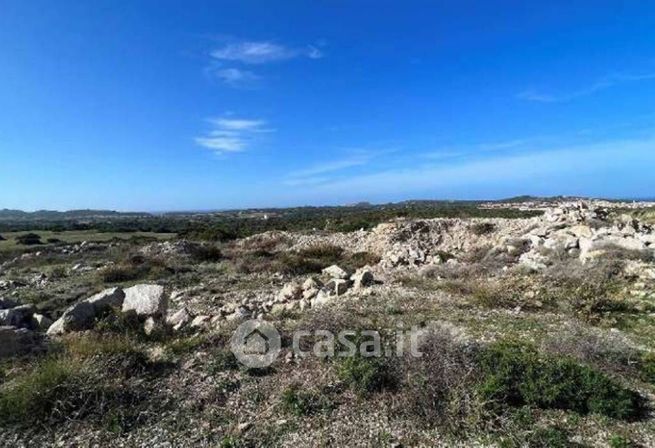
7,214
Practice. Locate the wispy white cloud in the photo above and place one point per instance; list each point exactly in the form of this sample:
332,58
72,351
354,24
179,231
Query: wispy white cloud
249,53
546,169
476,149
318,173
231,134
262,52
236,77
601,84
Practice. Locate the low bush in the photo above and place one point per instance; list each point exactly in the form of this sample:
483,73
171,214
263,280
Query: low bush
619,441
647,367
301,402
438,387
123,273
61,389
29,239
208,253
136,267
327,252
515,375
366,375
58,272
549,437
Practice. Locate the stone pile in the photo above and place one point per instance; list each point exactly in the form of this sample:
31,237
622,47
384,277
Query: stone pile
316,292
583,232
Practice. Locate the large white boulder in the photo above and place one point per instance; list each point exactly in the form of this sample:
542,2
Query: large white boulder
109,298
146,300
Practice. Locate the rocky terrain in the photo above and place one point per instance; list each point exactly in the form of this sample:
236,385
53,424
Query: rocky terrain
540,333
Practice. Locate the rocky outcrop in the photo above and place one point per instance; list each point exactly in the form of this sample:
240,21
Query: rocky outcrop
179,319
18,316
146,300
83,315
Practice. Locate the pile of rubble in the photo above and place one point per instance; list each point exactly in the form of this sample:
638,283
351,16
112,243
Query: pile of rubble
583,232
578,229
316,292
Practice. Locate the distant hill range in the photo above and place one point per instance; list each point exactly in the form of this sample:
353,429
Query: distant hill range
100,215
19,215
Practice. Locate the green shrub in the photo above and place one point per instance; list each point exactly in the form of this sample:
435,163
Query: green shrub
647,367
29,239
515,375
58,272
122,273
327,252
551,437
618,441
36,395
294,264
301,402
209,253
366,375
361,259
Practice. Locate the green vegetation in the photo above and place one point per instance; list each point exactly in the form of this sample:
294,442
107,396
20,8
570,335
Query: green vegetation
366,375
229,225
516,375
307,261
73,385
28,239
618,441
12,240
300,402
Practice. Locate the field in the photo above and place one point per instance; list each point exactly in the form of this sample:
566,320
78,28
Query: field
538,331
74,237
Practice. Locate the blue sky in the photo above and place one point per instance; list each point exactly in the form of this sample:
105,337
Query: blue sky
173,105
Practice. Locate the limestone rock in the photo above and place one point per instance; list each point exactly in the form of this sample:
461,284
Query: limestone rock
312,283
290,291
109,298
179,319
338,286
335,272
241,313
19,316
40,322
362,278
80,316
200,322
146,300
